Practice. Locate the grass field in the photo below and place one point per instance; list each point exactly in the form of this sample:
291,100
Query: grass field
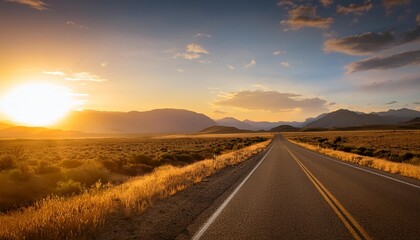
78,216
33,169
392,151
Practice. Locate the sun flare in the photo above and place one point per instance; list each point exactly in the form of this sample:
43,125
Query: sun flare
37,104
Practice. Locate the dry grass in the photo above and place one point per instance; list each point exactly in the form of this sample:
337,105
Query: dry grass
403,169
79,216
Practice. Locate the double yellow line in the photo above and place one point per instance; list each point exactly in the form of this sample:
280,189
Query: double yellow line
351,224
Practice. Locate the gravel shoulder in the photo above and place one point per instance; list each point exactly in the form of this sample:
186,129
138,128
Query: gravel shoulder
181,215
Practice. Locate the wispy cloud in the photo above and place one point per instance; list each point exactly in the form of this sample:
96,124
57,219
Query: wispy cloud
272,101
285,64
36,4
355,8
54,73
306,16
202,35
84,76
410,84
193,52
76,25
251,63
393,3
391,102
383,63
219,112
231,67
370,42
326,3
278,52
188,56
180,70
104,64
78,76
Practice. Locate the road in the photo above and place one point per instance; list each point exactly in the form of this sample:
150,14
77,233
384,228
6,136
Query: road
297,194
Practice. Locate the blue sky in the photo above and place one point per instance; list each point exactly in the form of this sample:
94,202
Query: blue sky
258,60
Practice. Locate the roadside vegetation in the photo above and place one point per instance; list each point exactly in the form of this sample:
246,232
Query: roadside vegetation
79,214
392,151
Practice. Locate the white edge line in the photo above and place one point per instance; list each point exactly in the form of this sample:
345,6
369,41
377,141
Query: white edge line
350,165
213,217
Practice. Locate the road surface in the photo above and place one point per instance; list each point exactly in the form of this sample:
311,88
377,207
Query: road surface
297,194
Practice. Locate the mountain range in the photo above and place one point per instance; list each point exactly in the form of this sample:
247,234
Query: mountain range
91,123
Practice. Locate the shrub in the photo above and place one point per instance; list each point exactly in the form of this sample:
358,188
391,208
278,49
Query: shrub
6,163
71,163
68,187
46,168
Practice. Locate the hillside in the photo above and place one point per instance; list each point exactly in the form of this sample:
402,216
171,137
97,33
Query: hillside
222,130
149,122
39,132
285,128
346,118
233,122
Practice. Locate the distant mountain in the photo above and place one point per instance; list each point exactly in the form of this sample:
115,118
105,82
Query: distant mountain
346,118
414,120
222,130
399,115
285,128
39,132
233,122
5,125
149,122
269,125
311,119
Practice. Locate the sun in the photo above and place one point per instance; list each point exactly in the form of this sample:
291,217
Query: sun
37,104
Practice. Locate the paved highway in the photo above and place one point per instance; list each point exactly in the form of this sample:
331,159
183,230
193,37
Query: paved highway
297,194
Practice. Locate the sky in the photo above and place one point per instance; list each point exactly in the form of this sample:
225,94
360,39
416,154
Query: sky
249,59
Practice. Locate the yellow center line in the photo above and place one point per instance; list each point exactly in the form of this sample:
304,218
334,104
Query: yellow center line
350,223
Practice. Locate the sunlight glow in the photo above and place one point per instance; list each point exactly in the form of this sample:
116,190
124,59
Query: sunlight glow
37,104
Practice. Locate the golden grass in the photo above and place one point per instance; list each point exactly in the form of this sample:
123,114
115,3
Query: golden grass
79,216
403,169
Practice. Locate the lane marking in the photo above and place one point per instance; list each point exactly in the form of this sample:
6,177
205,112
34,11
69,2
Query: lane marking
356,167
355,229
213,217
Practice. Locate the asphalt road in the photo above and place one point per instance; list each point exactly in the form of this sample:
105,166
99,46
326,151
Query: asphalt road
297,194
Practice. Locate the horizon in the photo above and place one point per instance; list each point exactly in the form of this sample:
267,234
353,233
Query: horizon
276,60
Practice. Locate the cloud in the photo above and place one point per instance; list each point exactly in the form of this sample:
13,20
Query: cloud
251,63
272,101
76,26
355,8
219,112
326,3
54,73
382,63
231,67
391,102
285,64
392,3
276,53
401,85
180,70
84,76
370,42
104,64
362,44
202,35
188,56
305,16
36,4
195,48
331,104
416,103
193,52
285,3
